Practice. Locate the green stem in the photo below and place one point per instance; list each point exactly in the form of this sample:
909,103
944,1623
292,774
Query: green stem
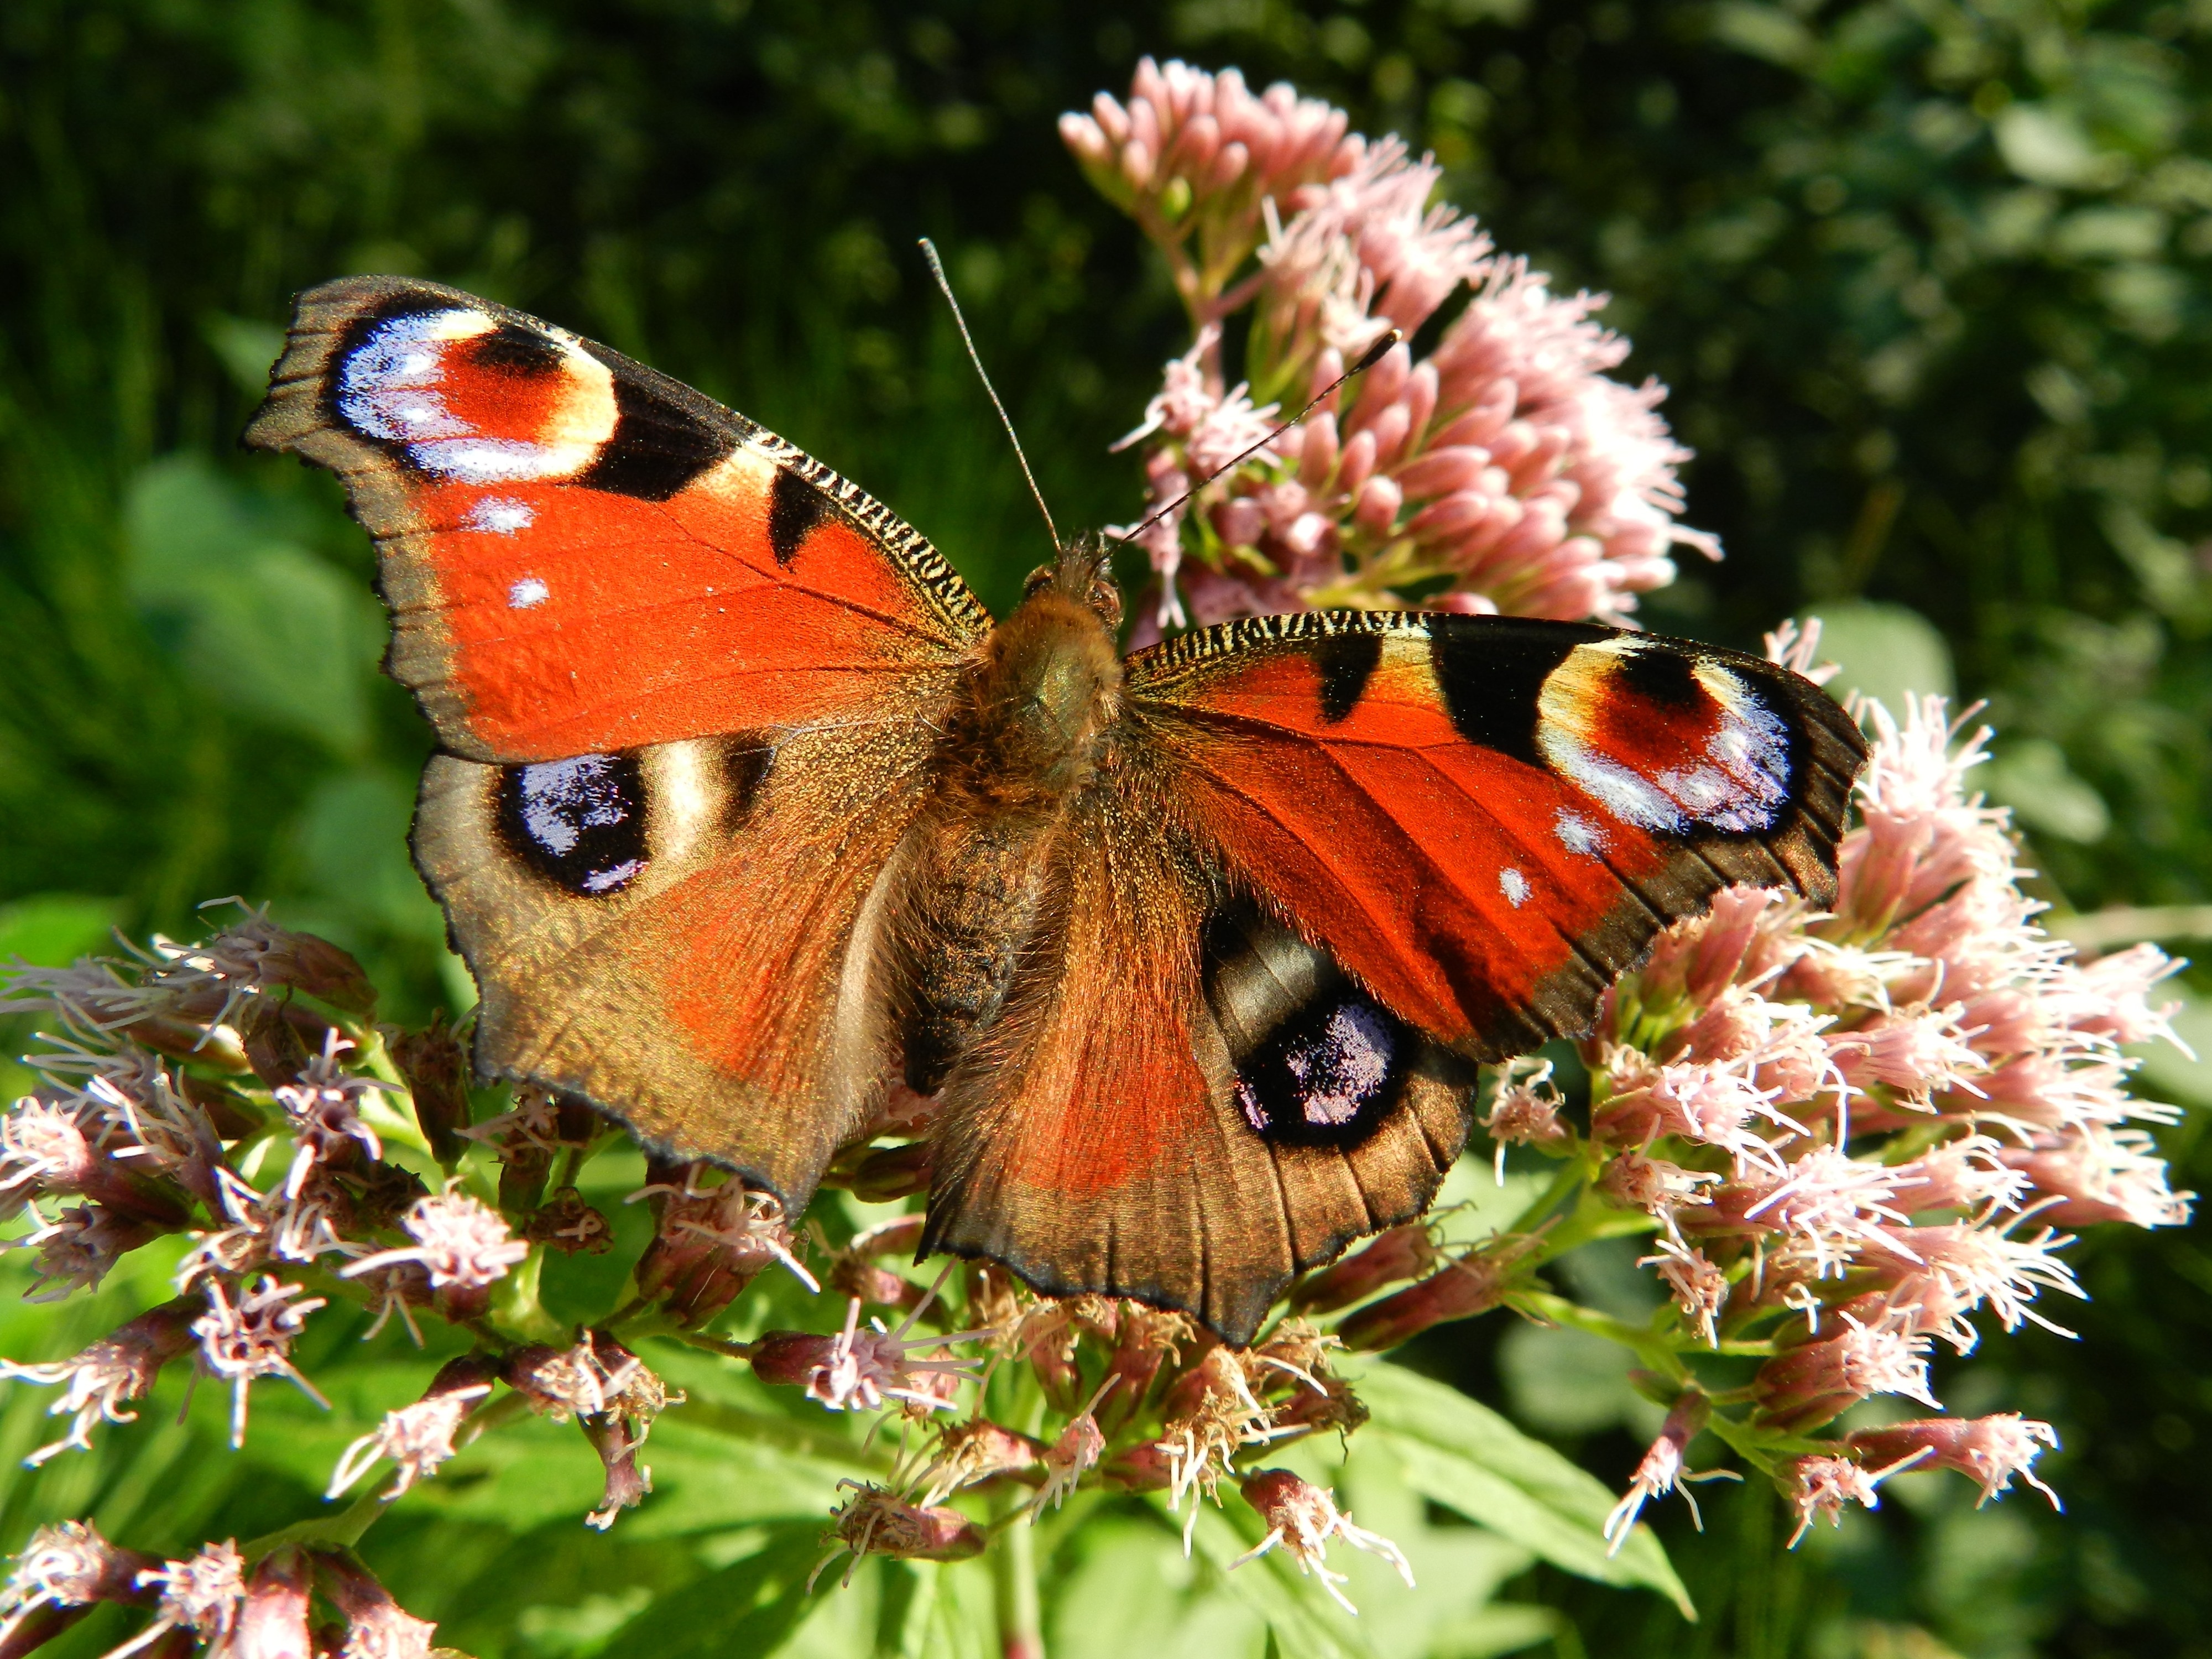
341,1531
1657,1353
1013,1567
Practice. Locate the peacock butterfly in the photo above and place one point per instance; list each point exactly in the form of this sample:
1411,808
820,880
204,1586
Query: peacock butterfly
745,811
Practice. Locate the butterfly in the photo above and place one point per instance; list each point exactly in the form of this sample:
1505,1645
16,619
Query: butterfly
745,812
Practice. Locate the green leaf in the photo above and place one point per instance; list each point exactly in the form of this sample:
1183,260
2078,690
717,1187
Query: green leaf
746,1609
269,628
1461,1454
52,930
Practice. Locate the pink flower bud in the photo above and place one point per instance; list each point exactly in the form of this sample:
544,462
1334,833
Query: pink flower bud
1082,135
1240,521
1389,429
272,1621
1195,147
1318,459
1470,1286
1821,1487
1112,120
377,1627
1443,472
1401,1252
1991,1450
1453,516
1228,168
1806,1386
1663,1468
874,1522
1302,1518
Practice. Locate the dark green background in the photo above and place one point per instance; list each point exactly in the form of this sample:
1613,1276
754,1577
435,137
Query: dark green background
1928,281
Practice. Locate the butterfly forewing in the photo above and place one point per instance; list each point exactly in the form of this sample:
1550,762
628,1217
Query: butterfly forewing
582,555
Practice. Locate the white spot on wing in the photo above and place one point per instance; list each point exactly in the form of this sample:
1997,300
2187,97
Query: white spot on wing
1514,885
1577,834
527,592
497,515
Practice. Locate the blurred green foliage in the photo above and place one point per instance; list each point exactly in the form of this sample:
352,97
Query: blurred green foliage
1928,280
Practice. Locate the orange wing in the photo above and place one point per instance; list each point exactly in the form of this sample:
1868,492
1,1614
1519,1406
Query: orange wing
687,681
581,555
1487,819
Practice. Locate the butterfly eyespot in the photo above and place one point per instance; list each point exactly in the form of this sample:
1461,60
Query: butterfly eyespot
530,590
1329,1073
580,823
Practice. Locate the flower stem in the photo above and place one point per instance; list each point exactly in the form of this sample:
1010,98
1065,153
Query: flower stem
1013,1565
340,1531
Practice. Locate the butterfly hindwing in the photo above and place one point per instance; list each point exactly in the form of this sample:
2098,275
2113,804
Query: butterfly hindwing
582,556
685,680
1184,1102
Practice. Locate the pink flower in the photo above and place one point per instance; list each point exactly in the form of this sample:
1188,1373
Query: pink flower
1992,1449
1663,1469
1302,1518
202,1594
377,1627
417,1438
972,1452
1507,466
1074,1454
116,1369
860,1369
873,1521
1700,1289
253,1338
1805,1385
713,1241
64,1570
1821,1486
465,1247
325,1109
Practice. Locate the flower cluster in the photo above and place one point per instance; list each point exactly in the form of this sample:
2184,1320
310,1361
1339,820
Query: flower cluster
1855,1131
1504,470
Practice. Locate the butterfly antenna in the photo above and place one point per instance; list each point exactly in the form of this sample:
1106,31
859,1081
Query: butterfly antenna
1367,359
936,269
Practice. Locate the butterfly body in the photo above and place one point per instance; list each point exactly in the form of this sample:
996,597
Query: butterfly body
745,811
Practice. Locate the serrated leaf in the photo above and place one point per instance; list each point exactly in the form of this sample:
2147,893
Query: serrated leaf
1457,1452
